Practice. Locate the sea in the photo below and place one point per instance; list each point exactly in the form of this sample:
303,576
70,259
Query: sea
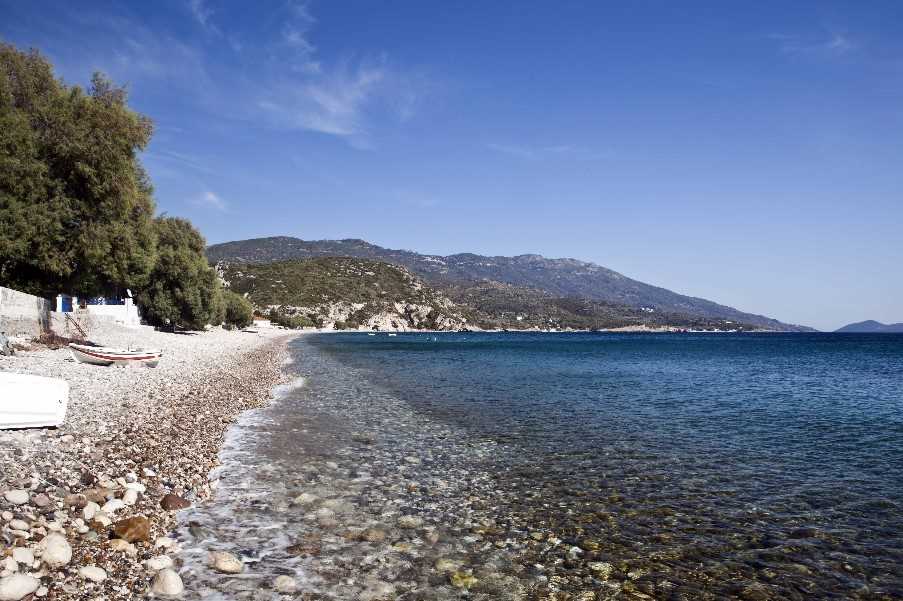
582,466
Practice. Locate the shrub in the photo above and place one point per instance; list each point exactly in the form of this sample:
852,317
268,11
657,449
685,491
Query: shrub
238,311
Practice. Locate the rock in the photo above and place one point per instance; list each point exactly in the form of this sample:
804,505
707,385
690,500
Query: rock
6,348
23,555
102,519
171,502
18,525
92,573
123,546
602,569
87,478
112,506
9,565
90,510
285,585
130,496
55,550
168,583
75,500
410,522
444,564
161,562
306,499
41,500
17,586
164,542
16,496
226,563
373,535
135,528
462,579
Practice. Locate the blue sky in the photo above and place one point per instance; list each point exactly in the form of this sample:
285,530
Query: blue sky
747,153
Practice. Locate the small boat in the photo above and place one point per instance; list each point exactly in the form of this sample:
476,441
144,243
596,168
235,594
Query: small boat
371,334
101,355
32,401
393,334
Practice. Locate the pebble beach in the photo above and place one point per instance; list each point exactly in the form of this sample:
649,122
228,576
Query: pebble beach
86,508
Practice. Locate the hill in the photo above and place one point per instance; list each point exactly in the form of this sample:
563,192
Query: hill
561,278
872,327
344,292
348,292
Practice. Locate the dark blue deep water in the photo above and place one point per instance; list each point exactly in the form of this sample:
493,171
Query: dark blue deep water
756,466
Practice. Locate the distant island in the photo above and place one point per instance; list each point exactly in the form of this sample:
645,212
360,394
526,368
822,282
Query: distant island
524,291
871,326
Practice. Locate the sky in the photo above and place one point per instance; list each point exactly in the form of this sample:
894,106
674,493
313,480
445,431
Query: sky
748,153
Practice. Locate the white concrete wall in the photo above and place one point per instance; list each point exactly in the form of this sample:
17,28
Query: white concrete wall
126,314
23,314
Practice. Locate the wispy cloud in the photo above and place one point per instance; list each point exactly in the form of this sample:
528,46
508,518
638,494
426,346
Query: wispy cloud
532,152
202,14
826,44
210,200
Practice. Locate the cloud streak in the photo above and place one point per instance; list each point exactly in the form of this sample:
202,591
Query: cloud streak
828,44
210,200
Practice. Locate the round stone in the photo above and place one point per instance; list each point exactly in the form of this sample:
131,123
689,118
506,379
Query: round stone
17,586
55,550
224,562
285,585
16,496
168,583
92,573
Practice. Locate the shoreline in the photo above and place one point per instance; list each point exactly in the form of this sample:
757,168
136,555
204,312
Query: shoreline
133,438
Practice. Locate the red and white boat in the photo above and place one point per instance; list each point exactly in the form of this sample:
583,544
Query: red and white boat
101,355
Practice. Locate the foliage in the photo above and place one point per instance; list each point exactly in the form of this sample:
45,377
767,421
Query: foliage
293,322
75,204
238,311
184,290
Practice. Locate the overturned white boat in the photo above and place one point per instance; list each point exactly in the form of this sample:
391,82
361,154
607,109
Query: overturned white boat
102,355
32,401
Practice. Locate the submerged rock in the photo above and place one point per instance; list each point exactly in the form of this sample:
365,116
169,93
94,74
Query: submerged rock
285,585
224,562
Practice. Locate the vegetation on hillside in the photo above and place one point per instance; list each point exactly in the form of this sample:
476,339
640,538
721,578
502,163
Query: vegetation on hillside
559,278
314,288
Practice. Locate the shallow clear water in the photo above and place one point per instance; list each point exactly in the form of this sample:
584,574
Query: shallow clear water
591,465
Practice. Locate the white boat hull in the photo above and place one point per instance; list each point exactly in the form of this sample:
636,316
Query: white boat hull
32,401
99,355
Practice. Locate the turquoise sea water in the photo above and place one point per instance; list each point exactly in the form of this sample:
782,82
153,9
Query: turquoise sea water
753,465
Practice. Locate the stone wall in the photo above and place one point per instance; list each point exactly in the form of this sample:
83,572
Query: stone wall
23,314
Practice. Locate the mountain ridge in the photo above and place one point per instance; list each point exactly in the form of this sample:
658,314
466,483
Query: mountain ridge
870,326
563,277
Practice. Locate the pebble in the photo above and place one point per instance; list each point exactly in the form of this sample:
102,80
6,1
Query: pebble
135,528
112,506
23,555
171,502
17,586
130,496
160,562
285,585
55,551
92,573
226,563
16,496
168,583
123,546
410,522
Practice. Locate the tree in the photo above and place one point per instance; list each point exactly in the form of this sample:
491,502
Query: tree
239,312
76,206
184,290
